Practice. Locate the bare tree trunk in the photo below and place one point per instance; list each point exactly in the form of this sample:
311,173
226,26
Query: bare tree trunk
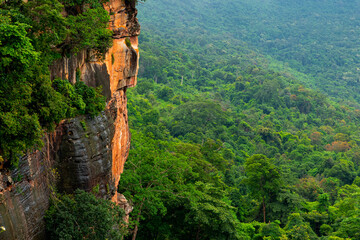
138,220
264,209
155,78
198,233
135,232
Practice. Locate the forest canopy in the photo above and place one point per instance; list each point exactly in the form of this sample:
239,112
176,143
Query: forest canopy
211,115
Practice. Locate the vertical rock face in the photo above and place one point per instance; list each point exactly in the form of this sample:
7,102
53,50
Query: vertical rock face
83,152
24,193
84,158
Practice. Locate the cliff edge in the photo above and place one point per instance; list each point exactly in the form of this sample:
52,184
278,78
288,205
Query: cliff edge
83,152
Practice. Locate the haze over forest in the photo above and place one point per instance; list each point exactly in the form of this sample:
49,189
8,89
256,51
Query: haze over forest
317,38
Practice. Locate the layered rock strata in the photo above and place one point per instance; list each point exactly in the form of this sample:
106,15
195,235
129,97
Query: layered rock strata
83,152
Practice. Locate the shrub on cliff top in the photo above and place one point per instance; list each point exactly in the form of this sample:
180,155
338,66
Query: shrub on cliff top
88,31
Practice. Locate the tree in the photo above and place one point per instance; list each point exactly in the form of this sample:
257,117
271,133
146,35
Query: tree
165,93
208,214
19,127
297,229
83,216
338,146
196,116
343,170
350,227
309,188
315,138
271,231
175,189
149,179
263,179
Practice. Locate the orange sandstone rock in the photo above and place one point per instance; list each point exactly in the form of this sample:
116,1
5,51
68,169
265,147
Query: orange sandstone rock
74,157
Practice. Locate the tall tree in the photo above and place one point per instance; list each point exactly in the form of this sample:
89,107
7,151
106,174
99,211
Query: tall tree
263,179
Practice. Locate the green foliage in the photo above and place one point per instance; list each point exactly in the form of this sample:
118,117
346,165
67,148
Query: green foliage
165,93
74,101
49,27
297,229
175,186
324,202
128,42
209,213
32,36
292,42
18,125
326,229
263,179
349,227
13,37
88,31
82,215
92,97
271,231
83,125
343,170
246,231
92,3
151,117
79,98
195,102
198,117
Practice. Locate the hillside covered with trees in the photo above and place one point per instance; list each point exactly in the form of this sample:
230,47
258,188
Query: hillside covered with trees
228,142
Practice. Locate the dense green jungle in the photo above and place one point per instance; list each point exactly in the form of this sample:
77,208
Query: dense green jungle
244,123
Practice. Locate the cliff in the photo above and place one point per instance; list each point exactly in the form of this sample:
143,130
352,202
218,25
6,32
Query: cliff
83,152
